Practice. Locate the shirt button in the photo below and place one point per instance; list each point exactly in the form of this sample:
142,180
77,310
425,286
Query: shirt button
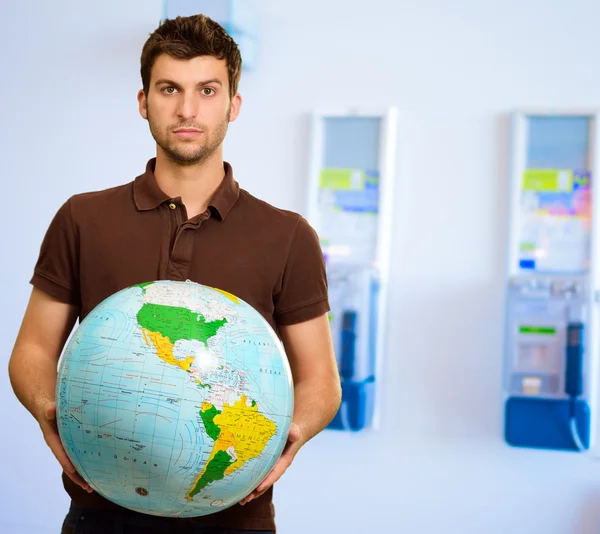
172,205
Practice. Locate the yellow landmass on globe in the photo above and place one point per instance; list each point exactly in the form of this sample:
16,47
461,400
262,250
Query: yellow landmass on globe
164,349
241,428
250,430
228,295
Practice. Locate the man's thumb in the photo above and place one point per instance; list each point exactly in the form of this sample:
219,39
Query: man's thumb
294,433
50,410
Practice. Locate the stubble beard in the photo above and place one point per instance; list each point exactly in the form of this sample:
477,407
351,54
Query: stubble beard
193,154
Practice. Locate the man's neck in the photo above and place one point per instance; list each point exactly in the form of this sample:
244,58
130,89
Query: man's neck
195,184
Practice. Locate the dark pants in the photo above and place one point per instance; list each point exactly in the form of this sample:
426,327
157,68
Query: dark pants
83,521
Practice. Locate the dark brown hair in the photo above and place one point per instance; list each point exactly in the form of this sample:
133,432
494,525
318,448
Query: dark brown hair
190,37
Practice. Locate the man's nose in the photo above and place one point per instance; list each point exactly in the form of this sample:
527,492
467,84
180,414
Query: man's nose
188,106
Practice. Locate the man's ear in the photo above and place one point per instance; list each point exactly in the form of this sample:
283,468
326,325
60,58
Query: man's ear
143,104
236,104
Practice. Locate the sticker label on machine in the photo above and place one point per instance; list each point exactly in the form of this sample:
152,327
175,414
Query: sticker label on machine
349,206
555,220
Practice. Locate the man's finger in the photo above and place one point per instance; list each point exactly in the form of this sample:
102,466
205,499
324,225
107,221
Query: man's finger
248,498
68,467
75,477
54,443
272,477
280,467
59,452
275,474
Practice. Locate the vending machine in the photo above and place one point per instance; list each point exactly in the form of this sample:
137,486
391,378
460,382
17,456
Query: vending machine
351,202
551,322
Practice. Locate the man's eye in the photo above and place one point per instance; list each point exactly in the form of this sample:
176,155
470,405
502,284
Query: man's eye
169,90
207,91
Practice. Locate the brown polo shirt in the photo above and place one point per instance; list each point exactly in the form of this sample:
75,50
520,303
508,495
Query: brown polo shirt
101,242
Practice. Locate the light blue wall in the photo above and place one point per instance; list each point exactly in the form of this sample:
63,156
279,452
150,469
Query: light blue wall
69,123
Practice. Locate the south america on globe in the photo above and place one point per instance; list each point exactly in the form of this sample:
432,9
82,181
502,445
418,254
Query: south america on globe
174,399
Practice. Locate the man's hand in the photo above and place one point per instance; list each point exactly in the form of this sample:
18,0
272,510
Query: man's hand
317,390
47,421
287,456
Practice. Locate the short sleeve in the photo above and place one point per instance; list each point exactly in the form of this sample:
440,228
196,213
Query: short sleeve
303,294
56,270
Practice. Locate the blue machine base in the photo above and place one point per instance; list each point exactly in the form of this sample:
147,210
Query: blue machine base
358,403
545,423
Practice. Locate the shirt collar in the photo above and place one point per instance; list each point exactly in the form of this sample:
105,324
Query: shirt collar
147,195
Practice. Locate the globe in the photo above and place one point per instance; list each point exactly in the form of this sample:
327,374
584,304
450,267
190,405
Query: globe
174,399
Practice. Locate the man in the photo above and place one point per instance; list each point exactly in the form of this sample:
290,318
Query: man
184,218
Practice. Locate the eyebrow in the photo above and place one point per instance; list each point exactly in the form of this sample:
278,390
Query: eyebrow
199,84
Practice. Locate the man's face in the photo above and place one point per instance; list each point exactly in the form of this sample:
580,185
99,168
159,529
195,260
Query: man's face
188,107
